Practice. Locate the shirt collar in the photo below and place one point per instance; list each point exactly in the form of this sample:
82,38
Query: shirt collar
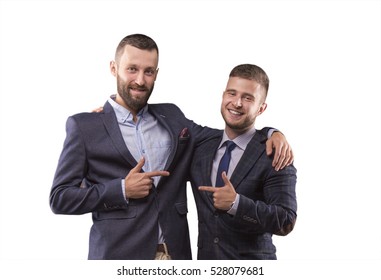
123,115
241,141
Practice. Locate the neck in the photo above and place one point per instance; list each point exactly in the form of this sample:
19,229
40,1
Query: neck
121,102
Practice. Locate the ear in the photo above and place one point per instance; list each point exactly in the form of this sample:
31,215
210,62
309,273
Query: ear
262,108
113,68
157,72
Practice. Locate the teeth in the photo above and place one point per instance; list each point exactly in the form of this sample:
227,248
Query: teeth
235,112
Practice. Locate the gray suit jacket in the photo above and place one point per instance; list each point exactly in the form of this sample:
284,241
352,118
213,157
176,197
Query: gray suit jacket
93,161
267,204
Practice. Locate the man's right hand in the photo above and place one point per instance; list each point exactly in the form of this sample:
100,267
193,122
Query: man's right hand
97,110
138,184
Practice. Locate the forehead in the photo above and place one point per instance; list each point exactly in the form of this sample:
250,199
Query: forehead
138,57
243,85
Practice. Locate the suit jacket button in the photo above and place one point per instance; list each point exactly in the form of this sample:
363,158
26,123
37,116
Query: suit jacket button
216,240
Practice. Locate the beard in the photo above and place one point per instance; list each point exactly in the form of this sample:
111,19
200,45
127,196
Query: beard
133,103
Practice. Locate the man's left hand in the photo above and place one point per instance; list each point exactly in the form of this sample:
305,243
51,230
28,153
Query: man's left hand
283,155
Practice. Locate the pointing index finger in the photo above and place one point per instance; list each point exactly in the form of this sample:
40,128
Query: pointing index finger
207,189
156,173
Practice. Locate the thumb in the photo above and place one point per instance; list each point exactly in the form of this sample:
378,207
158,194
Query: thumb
226,180
139,166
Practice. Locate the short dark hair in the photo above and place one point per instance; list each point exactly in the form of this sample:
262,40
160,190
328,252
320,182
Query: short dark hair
251,72
139,41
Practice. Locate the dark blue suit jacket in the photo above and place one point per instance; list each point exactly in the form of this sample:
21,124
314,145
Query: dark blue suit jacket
95,158
267,204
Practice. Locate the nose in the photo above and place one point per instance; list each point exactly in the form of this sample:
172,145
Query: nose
140,78
237,102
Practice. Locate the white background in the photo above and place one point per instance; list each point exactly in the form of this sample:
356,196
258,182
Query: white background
323,60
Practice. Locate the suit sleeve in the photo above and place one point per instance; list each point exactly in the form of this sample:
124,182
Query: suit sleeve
204,133
198,132
68,194
276,211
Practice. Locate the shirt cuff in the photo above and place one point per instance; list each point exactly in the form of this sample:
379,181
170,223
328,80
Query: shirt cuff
233,209
270,132
124,190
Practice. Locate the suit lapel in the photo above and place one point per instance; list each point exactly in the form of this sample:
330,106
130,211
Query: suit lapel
252,153
205,157
208,154
112,127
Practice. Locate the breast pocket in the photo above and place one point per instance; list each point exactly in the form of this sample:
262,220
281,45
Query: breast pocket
159,152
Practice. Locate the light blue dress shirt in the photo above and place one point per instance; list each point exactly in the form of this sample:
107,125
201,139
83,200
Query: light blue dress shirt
145,138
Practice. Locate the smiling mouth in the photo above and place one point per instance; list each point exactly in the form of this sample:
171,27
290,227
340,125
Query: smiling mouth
138,90
235,113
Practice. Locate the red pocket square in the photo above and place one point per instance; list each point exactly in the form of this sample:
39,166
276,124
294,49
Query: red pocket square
184,133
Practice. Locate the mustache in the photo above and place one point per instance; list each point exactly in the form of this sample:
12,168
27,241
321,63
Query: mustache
137,87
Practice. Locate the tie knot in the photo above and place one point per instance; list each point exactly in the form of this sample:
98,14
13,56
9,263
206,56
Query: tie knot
230,145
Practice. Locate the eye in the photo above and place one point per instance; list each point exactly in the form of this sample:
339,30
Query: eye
132,69
249,98
150,72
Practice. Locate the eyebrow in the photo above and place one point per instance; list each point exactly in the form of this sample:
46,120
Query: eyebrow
230,90
144,68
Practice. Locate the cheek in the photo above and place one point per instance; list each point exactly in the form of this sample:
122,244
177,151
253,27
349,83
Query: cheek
124,78
225,101
224,104
151,80
253,113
